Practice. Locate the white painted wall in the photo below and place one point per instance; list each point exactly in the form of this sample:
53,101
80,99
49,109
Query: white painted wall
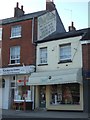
5,95
53,54
0,98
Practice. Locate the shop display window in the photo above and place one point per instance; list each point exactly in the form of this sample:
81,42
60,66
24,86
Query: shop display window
23,93
65,94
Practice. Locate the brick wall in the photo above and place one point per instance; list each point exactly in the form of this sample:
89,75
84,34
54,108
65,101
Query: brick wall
86,56
86,74
27,48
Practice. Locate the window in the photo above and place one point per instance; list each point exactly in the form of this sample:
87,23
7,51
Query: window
65,52
43,55
0,33
65,94
15,55
16,31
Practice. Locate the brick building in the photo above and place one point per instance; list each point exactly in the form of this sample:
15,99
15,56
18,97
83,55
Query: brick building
19,51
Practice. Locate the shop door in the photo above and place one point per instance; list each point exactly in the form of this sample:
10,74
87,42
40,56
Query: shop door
42,96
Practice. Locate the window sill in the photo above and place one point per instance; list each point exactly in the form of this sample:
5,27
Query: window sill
15,37
14,64
65,61
42,64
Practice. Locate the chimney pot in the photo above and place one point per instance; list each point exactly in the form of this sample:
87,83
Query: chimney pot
72,24
72,28
17,4
22,7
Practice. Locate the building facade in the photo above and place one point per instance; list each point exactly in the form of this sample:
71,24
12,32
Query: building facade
59,80
19,50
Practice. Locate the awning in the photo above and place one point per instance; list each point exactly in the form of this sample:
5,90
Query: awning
56,77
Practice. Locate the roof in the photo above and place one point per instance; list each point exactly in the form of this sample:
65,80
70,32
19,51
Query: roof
86,35
22,18
83,32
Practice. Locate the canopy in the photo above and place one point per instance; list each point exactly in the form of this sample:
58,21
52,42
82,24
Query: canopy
56,77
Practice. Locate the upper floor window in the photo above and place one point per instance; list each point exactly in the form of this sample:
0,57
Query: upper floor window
65,52
16,31
0,33
15,55
43,55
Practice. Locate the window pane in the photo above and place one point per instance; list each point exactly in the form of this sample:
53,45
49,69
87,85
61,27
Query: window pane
16,31
65,52
65,94
15,54
43,55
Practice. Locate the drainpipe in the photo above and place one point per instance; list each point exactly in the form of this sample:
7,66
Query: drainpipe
32,29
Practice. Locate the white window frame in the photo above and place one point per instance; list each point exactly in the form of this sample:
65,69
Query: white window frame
43,55
0,34
65,52
16,31
15,55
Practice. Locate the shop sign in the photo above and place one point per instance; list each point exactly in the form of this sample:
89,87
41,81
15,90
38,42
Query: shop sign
17,70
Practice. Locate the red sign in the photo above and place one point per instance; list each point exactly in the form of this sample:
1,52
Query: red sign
25,80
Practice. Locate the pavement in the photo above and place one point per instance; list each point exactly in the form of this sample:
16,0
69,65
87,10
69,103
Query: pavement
43,114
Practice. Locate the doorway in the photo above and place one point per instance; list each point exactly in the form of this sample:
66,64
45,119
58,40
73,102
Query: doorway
42,98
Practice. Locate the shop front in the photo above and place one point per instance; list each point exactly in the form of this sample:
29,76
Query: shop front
58,90
17,93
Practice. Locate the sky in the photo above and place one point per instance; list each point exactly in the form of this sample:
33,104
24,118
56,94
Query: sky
69,10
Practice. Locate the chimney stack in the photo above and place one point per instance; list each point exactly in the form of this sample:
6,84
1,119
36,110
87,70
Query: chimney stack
72,28
50,6
17,11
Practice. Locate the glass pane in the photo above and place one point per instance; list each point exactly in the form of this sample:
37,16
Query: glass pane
43,55
16,31
65,52
15,54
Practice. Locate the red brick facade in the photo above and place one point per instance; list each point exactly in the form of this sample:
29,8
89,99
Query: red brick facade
27,53
86,56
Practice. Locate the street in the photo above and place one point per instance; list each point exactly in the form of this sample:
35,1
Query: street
15,114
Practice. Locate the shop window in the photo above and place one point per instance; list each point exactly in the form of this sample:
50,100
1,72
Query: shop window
23,92
65,94
15,55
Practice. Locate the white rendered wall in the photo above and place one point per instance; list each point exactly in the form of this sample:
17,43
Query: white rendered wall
53,54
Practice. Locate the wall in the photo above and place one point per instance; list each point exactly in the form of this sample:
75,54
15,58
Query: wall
53,54
5,95
27,48
86,82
